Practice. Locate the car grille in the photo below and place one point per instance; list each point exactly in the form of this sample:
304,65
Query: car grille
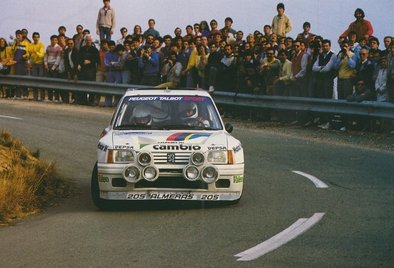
179,158
172,182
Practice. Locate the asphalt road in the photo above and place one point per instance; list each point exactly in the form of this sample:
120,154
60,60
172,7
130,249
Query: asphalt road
355,229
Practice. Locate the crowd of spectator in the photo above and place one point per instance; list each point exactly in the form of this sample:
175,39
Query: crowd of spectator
206,56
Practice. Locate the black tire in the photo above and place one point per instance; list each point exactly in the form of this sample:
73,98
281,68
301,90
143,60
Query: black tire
95,192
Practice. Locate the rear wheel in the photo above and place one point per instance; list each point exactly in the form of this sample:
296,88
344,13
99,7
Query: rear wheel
95,192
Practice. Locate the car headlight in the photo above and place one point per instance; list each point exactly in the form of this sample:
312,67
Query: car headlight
197,158
144,158
217,157
120,156
210,174
131,174
191,173
150,173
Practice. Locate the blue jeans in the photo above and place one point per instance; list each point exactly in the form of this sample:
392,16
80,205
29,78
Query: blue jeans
105,33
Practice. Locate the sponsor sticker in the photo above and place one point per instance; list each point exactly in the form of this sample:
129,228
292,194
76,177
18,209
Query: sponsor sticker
103,179
132,133
237,148
176,147
124,147
217,148
171,195
160,196
238,179
102,147
187,136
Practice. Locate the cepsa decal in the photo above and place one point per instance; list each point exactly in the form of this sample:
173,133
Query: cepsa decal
124,147
217,148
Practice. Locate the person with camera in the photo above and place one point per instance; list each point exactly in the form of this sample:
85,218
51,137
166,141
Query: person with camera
172,70
346,68
150,66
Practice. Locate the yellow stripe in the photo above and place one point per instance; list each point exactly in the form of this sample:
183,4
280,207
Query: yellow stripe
188,137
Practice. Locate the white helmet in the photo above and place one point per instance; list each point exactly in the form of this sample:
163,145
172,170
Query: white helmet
142,116
188,110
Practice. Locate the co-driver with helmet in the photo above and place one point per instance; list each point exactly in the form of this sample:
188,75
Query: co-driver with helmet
141,116
189,114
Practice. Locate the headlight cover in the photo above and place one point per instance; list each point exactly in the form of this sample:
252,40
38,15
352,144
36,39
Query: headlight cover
197,158
217,157
144,158
150,173
131,174
121,156
191,173
210,174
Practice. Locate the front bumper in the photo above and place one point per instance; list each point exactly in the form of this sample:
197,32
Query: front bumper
171,195
171,185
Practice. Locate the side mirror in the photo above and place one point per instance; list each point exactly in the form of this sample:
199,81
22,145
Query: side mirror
229,128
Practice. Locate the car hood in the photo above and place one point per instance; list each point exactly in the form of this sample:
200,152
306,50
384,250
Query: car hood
165,140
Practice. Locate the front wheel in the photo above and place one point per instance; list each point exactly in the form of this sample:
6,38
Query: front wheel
95,192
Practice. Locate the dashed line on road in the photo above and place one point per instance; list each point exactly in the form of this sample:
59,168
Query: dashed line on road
10,117
318,183
296,229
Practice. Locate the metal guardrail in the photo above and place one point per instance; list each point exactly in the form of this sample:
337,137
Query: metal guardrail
365,108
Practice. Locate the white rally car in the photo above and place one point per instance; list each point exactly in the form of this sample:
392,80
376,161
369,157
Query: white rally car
167,145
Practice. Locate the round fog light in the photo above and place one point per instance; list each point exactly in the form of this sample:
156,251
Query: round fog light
197,158
144,159
150,173
210,174
131,174
191,173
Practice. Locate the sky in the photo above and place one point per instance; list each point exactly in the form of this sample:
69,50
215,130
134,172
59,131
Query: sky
329,18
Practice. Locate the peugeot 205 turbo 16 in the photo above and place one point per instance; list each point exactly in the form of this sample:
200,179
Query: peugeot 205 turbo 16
167,145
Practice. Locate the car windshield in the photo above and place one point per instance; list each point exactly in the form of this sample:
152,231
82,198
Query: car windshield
167,112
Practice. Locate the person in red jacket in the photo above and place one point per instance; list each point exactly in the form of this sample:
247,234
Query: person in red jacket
361,26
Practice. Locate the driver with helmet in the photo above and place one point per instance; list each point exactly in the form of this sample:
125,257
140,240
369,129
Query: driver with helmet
189,114
141,116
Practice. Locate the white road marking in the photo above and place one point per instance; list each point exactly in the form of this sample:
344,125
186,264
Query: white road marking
318,183
10,117
296,229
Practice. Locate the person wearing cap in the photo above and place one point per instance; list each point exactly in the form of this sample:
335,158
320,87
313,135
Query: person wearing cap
106,20
281,24
361,26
